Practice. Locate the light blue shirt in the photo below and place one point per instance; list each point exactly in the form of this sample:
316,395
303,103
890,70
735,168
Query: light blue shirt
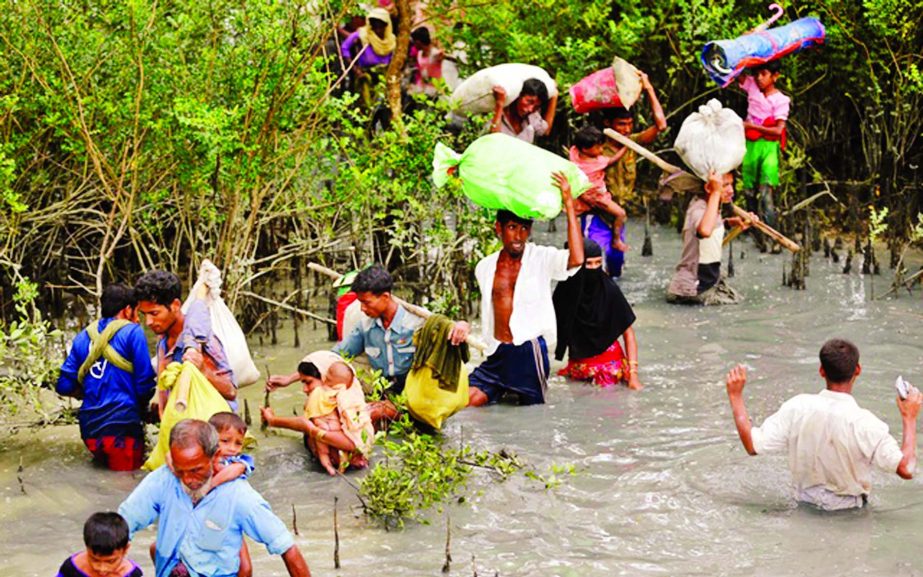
389,350
207,537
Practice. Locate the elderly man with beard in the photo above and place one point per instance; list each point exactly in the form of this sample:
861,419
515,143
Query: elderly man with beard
201,528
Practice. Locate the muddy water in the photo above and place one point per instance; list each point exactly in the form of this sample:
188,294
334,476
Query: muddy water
662,485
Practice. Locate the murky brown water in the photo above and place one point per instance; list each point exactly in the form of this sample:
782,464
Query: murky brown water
663,486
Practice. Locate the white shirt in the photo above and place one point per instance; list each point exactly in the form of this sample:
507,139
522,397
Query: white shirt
831,442
710,246
533,311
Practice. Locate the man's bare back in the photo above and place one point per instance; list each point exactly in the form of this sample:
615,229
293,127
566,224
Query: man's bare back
502,295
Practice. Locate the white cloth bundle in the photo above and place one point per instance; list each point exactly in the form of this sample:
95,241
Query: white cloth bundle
475,94
711,139
224,325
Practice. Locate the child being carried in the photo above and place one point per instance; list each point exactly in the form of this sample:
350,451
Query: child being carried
587,153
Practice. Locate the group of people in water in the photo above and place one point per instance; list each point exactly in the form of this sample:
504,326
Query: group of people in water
533,297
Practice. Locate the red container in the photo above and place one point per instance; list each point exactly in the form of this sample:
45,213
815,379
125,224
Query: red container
596,91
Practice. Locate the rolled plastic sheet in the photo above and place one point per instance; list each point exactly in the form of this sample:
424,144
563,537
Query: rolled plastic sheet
724,60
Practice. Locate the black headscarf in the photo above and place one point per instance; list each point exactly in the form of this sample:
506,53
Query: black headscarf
591,310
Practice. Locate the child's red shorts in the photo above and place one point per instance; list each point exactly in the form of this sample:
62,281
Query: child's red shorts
117,453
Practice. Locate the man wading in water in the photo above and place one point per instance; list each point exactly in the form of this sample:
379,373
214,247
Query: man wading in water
519,313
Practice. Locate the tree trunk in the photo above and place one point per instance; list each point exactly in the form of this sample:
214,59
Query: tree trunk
399,58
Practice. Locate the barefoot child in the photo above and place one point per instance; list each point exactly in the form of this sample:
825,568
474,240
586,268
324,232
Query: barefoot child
587,153
106,538
335,416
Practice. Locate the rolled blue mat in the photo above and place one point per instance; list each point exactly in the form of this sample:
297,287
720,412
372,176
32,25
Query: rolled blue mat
724,60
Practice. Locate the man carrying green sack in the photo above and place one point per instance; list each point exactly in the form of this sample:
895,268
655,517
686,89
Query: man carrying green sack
517,313
501,172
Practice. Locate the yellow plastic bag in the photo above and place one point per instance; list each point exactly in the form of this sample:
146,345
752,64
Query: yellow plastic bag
191,397
429,403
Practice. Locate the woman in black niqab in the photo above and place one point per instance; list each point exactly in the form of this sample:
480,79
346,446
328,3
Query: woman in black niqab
592,314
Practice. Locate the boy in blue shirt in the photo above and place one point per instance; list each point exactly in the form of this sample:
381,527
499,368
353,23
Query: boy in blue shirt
109,367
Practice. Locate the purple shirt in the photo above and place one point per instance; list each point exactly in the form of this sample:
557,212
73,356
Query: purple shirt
367,57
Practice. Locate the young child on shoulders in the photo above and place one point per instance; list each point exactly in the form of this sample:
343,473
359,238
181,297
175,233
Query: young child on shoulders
232,462
764,127
587,153
105,536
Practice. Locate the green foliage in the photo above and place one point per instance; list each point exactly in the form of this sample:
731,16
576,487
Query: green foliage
420,471
28,354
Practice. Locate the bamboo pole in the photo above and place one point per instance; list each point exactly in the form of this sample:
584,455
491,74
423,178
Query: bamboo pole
767,230
411,308
182,389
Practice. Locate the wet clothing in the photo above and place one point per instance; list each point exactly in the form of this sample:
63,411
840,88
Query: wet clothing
69,569
699,268
533,311
389,350
197,333
437,386
349,402
832,445
591,312
206,537
118,453
532,126
114,399
434,350
605,369
720,294
521,369
598,228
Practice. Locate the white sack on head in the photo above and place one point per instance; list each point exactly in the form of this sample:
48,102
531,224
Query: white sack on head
224,325
475,94
711,139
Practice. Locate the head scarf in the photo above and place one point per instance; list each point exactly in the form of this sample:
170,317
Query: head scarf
591,310
381,46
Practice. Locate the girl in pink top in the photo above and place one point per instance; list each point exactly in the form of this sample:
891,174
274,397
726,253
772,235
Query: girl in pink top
587,153
429,61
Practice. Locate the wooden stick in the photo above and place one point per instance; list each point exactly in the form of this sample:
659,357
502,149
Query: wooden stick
182,390
248,420
294,520
625,141
336,536
411,308
263,424
735,232
766,229
448,545
276,303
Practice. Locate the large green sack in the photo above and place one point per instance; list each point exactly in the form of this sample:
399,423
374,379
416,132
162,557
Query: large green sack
499,171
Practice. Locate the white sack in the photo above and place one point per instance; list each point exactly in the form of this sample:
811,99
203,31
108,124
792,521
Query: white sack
224,325
711,139
627,81
475,94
